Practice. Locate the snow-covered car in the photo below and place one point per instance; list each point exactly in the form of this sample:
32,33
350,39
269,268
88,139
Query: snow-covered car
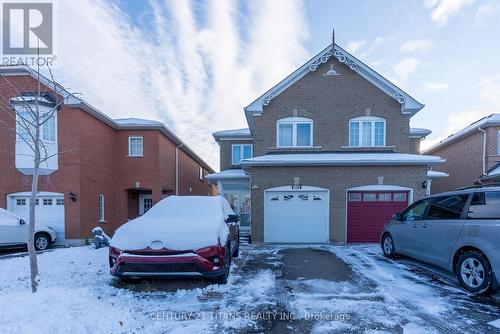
179,236
14,232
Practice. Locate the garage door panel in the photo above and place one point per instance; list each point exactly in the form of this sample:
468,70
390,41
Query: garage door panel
299,216
49,211
366,218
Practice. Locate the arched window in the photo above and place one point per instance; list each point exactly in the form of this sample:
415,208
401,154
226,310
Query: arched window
367,131
294,132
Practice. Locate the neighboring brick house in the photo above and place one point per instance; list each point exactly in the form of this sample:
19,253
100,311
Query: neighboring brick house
329,154
104,172
472,155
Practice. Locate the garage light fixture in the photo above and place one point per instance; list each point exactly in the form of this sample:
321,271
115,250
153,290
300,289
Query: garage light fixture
72,196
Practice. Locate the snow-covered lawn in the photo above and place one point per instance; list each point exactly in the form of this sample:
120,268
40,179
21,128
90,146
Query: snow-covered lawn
77,295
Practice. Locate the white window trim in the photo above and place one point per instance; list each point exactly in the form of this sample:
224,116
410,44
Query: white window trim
241,152
294,121
130,146
43,111
102,209
372,120
200,173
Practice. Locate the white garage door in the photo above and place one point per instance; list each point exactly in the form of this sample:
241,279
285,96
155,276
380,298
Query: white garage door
296,216
49,210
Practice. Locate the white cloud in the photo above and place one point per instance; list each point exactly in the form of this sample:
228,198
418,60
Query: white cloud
416,45
489,88
485,12
442,10
194,75
405,68
488,103
354,46
436,85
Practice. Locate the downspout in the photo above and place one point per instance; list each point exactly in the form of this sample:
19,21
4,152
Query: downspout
484,150
177,168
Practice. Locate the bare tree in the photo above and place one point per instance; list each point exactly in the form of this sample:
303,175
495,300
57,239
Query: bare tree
30,112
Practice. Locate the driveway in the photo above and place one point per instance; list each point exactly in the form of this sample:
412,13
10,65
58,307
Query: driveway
278,289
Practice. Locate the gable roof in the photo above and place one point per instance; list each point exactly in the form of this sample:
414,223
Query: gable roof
408,104
117,124
493,119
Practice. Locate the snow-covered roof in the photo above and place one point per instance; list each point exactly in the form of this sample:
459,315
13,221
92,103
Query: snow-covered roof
118,124
419,132
494,174
136,122
408,103
310,159
228,174
433,174
236,133
493,119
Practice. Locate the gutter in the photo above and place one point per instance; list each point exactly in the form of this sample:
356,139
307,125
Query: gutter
177,168
484,149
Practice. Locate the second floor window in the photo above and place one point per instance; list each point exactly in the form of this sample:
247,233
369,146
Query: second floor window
135,146
294,132
240,152
26,131
367,131
49,129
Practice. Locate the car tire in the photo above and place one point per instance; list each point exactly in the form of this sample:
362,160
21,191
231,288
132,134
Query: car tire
222,279
42,241
474,273
388,246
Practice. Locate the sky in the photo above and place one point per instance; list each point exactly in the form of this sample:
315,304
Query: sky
195,65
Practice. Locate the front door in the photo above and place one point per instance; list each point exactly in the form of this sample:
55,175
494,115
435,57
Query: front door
145,203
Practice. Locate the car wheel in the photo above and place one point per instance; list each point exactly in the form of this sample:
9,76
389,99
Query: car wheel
388,246
222,279
474,272
41,242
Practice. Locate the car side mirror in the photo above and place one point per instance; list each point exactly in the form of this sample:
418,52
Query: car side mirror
232,218
397,217
22,222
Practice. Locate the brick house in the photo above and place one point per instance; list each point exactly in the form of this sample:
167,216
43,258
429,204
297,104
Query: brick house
328,156
104,172
472,155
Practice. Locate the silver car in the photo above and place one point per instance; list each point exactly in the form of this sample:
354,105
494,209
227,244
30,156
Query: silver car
458,231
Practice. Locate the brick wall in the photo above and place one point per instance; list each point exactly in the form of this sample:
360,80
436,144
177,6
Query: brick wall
189,181
331,101
337,180
463,163
226,153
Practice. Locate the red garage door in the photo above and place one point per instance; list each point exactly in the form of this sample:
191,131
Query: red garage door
368,211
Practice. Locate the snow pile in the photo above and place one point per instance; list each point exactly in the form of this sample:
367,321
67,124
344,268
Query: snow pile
179,222
8,218
101,239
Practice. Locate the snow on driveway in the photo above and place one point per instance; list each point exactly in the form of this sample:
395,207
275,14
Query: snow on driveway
78,295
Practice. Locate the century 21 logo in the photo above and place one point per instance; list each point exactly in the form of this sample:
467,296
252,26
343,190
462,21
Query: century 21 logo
27,28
